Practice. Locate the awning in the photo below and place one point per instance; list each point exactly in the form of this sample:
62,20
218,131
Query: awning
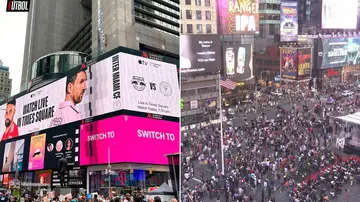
353,118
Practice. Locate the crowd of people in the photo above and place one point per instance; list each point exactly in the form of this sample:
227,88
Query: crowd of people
6,197
264,154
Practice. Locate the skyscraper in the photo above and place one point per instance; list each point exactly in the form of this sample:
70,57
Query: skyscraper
140,24
95,27
5,81
50,26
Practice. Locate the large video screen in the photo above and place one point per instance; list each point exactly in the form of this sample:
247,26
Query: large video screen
238,61
200,54
304,63
289,20
288,63
339,14
62,141
238,16
337,52
130,139
37,152
13,156
122,81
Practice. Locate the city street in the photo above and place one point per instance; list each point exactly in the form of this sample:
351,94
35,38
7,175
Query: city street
202,172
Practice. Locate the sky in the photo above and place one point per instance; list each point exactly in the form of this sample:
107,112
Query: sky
12,42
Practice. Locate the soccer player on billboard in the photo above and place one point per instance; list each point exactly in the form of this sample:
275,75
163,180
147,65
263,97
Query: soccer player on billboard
11,129
75,90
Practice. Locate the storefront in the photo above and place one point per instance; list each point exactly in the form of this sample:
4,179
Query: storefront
242,93
126,178
333,75
351,73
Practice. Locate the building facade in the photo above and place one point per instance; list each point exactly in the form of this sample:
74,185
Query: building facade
198,17
50,25
5,81
95,27
81,41
140,25
53,66
269,18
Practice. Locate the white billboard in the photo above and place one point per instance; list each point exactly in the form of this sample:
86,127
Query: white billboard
149,86
339,14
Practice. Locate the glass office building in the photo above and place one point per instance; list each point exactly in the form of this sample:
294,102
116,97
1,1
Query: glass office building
58,62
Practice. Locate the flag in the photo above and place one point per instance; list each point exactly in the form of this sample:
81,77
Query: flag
228,83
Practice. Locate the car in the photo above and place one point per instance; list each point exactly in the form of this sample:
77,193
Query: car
347,93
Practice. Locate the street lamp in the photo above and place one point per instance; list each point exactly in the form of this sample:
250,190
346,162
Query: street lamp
108,169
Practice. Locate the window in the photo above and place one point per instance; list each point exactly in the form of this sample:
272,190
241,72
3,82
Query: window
188,14
199,29
208,15
198,2
189,28
181,28
188,2
207,2
198,15
208,29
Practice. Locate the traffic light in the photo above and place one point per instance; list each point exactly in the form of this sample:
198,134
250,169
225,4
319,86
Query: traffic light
181,103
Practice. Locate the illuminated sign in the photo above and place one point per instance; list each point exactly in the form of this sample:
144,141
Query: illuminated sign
239,16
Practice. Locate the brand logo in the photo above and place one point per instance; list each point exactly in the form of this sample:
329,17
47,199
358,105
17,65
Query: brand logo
138,83
151,64
117,105
17,6
35,94
165,88
332,72
145,55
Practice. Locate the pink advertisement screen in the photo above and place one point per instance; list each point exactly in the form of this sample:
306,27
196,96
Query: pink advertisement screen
131,139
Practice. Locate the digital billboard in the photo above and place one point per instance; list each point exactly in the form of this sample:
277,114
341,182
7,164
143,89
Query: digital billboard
304,63
338,52
238,61
339,14
288,20
13,156
43,177
130,139
37,152
94,90
200,54
238,16
288,63
62,141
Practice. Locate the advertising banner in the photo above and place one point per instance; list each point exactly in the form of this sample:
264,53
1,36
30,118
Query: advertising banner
288,20
288,63
95,89
200,54
43,177
37,152
304,63
238,16
13,156
153,138
338,52
334,12
62,140
238,61
152,85
76,177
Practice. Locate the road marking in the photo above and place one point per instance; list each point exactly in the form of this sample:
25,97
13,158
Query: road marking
196,179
